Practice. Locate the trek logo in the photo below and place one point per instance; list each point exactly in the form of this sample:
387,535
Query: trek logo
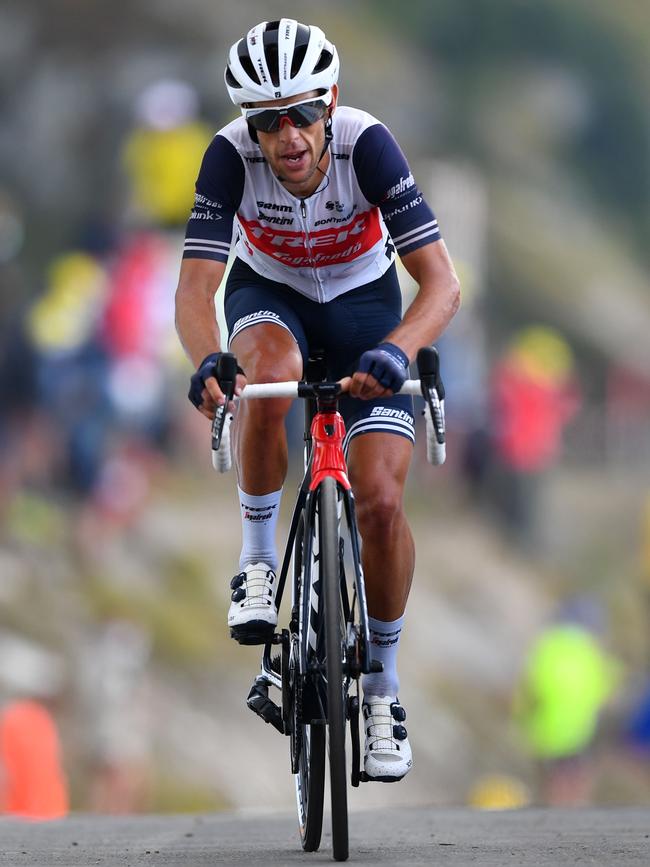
322,247
335,206
400,187
340,156
255,159
258,514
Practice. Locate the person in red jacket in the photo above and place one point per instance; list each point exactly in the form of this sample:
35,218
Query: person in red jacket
32,780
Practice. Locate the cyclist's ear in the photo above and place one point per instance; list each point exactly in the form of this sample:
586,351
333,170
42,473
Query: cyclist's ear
335,99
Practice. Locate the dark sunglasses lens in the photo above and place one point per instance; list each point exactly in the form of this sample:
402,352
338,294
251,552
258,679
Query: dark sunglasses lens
299,115
264,121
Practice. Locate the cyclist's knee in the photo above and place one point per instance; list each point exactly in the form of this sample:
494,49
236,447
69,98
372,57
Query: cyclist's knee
268,353
379,507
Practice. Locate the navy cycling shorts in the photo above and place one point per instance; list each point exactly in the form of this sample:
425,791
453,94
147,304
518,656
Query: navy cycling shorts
343,329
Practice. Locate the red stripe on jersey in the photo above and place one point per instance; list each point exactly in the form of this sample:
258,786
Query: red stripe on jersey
324,247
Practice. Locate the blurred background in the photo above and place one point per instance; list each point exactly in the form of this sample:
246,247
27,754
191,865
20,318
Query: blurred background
525,663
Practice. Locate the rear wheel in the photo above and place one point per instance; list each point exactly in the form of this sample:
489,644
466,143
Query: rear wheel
334,623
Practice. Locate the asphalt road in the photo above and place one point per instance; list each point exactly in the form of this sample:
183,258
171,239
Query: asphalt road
607,837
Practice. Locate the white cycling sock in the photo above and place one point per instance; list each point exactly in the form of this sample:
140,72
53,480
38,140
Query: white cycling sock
259,517
384,641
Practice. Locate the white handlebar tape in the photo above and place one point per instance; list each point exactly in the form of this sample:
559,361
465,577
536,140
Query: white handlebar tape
221,457
436,452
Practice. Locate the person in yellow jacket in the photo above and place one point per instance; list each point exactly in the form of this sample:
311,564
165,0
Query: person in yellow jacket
568,678
163,153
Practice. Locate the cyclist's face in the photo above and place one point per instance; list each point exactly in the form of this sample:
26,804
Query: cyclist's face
294,152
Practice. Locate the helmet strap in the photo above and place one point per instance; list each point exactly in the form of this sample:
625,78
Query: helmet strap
329,135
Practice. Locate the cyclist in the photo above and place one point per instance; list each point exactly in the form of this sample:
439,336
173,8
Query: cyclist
324,199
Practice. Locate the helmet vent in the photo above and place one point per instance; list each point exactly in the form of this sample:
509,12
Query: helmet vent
231,81
247,63
324,60
300,48
271,51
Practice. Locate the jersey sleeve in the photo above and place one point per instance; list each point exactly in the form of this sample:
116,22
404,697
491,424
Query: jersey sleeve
219,190
386,180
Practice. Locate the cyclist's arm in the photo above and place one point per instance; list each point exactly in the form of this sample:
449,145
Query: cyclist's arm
386,180
196,318
436,302
208,238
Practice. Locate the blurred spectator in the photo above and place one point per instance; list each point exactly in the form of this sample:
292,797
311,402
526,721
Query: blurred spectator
32,779
163,154
535,395
498,792
113,680
567,680
32,784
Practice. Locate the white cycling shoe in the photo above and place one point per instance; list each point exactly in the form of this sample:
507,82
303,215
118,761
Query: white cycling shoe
252,616
387,754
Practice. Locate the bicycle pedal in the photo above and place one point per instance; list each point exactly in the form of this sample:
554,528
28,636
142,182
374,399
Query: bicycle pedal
257,635
259,702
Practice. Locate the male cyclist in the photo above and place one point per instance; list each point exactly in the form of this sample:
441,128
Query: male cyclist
323,199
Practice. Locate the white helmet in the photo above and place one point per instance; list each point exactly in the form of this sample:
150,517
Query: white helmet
277,59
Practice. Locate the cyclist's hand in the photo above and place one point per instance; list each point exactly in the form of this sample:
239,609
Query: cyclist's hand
382,371
205,392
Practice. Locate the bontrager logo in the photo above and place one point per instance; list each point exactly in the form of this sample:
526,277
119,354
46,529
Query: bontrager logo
402,185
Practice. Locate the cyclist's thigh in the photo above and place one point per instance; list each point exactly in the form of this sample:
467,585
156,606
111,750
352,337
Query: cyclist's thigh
265,330
378,465
355,322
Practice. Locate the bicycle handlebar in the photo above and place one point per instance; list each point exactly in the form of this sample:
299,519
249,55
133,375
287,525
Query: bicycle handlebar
292,389
429,386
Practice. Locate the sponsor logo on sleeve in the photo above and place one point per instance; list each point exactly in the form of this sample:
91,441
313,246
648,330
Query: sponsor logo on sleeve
401,187
205,209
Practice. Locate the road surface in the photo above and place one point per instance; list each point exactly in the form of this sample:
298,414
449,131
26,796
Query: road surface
539,837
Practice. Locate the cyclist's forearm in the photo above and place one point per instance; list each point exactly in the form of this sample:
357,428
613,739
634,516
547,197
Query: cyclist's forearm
436,302
196,319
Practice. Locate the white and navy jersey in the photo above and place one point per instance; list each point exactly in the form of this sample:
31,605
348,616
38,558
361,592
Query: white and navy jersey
344,235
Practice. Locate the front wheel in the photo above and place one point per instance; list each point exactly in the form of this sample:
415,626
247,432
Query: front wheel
310,785
334,623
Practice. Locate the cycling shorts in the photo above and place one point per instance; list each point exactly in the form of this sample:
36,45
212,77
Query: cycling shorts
342,328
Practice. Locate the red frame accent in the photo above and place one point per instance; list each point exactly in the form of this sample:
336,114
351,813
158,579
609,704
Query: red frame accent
327,432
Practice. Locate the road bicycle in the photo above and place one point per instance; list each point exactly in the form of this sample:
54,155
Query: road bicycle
325,647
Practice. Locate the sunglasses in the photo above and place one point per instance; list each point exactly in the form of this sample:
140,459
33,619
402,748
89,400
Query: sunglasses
299,114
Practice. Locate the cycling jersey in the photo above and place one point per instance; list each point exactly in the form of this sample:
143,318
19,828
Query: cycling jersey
345,235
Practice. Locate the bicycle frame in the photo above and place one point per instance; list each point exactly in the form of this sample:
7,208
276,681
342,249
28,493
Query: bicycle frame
324,457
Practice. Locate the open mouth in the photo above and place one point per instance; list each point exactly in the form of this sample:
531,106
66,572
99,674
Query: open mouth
295,160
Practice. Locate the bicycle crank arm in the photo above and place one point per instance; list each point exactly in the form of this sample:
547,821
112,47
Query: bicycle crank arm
259,702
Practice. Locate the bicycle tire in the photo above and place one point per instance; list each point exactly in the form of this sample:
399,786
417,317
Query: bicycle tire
310,786
334,648
310,774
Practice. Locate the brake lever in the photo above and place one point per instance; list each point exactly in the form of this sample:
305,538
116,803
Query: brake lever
226,377
432,388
